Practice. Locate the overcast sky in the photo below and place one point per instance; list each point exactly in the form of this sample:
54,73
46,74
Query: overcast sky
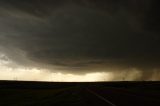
79,40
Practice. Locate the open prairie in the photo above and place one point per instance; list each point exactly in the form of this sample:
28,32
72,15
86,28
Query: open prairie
27,93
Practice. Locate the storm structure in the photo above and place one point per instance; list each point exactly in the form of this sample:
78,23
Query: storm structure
79,40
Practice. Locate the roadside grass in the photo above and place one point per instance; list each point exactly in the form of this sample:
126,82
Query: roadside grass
24,97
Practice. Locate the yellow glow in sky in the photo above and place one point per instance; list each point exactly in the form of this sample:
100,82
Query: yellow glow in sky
9,70
44,75
34,74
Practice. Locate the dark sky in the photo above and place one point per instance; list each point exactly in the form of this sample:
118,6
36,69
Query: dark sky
80,35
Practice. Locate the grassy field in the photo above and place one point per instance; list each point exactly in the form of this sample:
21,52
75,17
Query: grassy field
23,97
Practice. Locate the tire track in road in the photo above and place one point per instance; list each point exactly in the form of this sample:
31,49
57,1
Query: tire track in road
122,97
131,93
101,97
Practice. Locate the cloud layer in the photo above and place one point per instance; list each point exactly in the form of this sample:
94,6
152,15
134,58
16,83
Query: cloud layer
82,36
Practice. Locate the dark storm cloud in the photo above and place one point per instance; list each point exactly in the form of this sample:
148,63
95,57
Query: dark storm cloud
82,33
